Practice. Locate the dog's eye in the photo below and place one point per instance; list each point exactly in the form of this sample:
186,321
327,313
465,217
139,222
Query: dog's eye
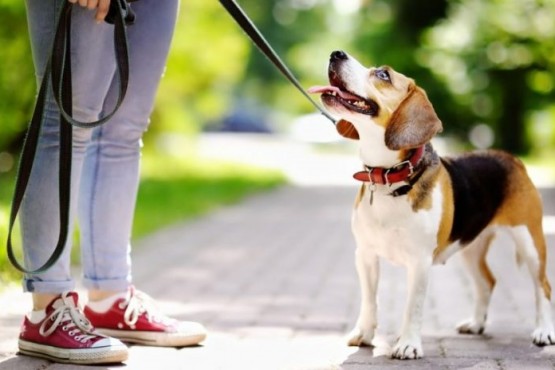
382,74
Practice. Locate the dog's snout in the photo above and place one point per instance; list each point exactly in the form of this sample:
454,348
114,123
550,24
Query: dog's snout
338,55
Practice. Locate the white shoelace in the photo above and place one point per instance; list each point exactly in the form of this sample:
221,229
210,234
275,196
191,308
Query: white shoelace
72,319
137,304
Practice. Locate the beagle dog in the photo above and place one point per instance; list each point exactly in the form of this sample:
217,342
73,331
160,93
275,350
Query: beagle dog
416,209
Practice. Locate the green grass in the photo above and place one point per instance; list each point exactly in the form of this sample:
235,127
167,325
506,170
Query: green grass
7,272
172,190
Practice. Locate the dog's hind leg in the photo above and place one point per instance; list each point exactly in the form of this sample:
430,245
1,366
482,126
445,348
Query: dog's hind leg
474,257
531,248
368,270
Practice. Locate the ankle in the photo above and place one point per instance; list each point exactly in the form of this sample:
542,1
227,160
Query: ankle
41,300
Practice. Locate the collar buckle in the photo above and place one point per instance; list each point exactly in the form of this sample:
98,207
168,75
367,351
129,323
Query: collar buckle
370,170
399,165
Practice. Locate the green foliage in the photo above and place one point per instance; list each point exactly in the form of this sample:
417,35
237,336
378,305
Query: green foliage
205,63
172,189
303,33
6,272
489,62
17,79
497,58
214,66
179,188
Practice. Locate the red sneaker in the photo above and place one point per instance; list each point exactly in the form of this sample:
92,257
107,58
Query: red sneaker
135,319
65,335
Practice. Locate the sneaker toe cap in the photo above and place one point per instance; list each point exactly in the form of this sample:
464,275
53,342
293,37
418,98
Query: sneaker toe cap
109,342
191,328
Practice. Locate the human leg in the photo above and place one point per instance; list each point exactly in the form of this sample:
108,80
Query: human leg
40,209
109,189
56,328
111,169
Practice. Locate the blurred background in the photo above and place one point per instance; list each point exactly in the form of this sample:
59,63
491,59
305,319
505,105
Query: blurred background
487,66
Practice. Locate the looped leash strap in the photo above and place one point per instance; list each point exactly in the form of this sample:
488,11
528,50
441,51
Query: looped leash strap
60,65
58,70
250,29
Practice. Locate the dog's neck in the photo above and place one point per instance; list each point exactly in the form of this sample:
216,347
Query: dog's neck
373,152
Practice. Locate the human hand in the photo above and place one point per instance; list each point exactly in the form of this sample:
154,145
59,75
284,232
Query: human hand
101,6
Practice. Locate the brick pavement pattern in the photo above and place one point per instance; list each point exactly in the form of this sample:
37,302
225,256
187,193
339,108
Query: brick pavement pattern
273,279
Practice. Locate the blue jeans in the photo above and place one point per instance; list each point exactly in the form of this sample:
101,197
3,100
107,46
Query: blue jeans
105,169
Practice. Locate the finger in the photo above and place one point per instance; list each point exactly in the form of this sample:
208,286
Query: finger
72,1
83,3
92,4
102,10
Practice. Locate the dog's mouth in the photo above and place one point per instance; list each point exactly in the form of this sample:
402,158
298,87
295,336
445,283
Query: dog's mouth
336,93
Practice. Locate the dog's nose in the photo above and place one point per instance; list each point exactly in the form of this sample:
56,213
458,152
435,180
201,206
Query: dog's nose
338,55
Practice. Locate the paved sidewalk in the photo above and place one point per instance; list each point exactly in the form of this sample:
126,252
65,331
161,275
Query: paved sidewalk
273,279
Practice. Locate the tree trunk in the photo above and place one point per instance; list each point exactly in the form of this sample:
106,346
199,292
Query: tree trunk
511,132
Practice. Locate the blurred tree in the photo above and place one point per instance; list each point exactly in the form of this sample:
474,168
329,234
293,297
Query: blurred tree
480,62
390,32
497,58
206,61
297,31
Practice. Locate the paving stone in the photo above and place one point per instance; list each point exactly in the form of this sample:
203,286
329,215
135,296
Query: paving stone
273,279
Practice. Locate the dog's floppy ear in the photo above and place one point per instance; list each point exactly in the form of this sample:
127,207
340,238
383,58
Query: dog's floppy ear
346,129
414,123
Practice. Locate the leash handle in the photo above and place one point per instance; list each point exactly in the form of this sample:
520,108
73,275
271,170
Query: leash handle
254,34
58,70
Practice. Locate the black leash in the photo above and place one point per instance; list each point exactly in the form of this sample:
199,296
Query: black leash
58,70
250,29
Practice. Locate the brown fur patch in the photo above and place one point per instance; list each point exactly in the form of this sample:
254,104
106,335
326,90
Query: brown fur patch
421,194
382,119
523,206
483,263
448,212
413,123
424,179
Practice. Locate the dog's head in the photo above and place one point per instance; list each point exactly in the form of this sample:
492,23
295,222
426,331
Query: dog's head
360,96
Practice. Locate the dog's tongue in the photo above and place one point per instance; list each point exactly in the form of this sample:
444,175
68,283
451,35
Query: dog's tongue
323,89
331,89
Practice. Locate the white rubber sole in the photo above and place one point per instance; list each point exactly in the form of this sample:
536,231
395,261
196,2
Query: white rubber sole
101,355
152,338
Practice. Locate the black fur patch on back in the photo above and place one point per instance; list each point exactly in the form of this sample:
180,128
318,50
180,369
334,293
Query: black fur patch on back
479,187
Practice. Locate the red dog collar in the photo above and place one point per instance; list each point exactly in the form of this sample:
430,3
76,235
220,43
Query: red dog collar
387,176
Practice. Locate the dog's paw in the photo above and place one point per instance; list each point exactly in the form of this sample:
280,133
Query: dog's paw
471,327
543,337
360,338
407,350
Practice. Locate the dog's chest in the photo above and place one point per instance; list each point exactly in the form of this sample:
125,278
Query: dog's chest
390,227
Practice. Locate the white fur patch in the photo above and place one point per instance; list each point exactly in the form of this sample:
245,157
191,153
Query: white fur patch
391,229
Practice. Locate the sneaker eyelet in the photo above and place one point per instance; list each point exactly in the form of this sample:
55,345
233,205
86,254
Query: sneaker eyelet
65,328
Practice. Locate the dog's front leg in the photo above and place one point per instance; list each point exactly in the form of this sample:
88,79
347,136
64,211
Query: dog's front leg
409,345
368,270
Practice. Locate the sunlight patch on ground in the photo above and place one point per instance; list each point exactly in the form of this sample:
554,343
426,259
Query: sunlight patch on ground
549,225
